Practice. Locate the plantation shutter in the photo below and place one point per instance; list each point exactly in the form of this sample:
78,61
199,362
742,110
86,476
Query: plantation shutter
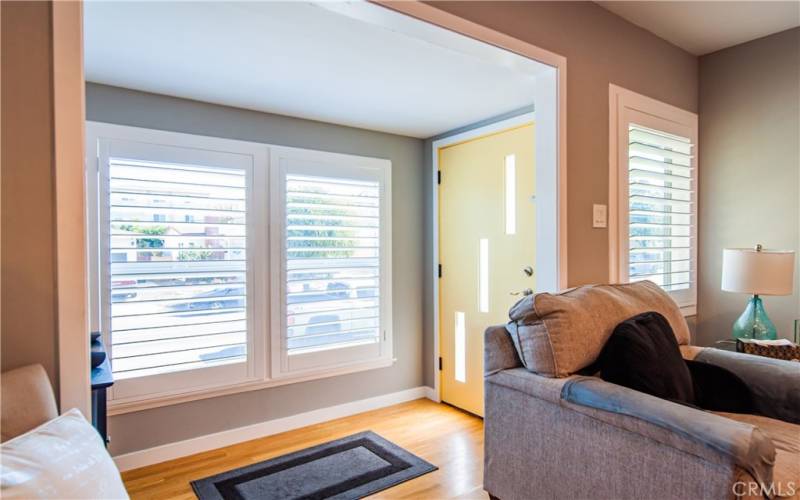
662,209
177,243
332,263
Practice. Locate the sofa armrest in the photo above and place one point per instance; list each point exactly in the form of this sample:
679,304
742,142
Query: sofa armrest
774,383
27,400
499,352
538,445
742,444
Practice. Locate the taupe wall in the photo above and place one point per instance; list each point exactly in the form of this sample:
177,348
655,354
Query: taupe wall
28,326
600,48
135,431
749,170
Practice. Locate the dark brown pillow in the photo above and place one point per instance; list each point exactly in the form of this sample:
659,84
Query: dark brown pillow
719,389
642,354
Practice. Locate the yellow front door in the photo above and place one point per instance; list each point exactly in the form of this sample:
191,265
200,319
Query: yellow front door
487,249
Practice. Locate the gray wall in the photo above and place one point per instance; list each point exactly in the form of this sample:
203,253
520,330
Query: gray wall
29,332
144,429
749,174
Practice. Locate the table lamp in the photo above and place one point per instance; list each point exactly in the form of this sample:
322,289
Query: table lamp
758,272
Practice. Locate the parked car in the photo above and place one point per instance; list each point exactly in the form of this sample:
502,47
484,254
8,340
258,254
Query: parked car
218,298
122,296
323,323
334,291
330,327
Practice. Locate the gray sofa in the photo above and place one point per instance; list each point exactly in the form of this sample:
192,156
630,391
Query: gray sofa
571,436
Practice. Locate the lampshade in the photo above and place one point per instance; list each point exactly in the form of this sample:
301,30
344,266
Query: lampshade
758,272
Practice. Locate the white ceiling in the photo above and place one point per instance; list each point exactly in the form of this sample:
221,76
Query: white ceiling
349,63
702,27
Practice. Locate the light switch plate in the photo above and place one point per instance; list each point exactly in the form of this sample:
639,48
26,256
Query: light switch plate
599,215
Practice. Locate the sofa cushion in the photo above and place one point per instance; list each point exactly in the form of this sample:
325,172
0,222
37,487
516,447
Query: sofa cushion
786,438
719,389
642,354
62,458
558,334
498,352
774,383
26,400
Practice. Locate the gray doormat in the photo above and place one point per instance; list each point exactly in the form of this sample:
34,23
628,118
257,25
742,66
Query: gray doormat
348,468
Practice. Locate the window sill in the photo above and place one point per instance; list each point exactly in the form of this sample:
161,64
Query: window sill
120,407
689,311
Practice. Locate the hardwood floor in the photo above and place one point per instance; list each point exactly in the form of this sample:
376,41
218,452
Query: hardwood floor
442,435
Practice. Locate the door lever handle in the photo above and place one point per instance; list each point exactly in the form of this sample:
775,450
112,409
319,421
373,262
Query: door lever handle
525,292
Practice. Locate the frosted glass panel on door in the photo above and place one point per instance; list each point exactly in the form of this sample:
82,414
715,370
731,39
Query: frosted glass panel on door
511,193
483,275
461,348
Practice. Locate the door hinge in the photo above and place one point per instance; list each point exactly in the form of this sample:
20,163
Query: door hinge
438,177
440,363
440,270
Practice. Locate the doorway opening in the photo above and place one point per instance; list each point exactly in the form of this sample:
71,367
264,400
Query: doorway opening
355,98
545,202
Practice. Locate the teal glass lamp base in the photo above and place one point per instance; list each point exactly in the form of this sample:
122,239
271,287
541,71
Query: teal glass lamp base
754,322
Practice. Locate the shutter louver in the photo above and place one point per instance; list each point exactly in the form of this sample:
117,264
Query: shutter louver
177,270
332,263
661,208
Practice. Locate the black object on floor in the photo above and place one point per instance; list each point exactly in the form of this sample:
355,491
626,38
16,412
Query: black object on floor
348,468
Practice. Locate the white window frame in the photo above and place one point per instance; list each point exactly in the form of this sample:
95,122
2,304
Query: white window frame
627,107
106,140
264,226
292,160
